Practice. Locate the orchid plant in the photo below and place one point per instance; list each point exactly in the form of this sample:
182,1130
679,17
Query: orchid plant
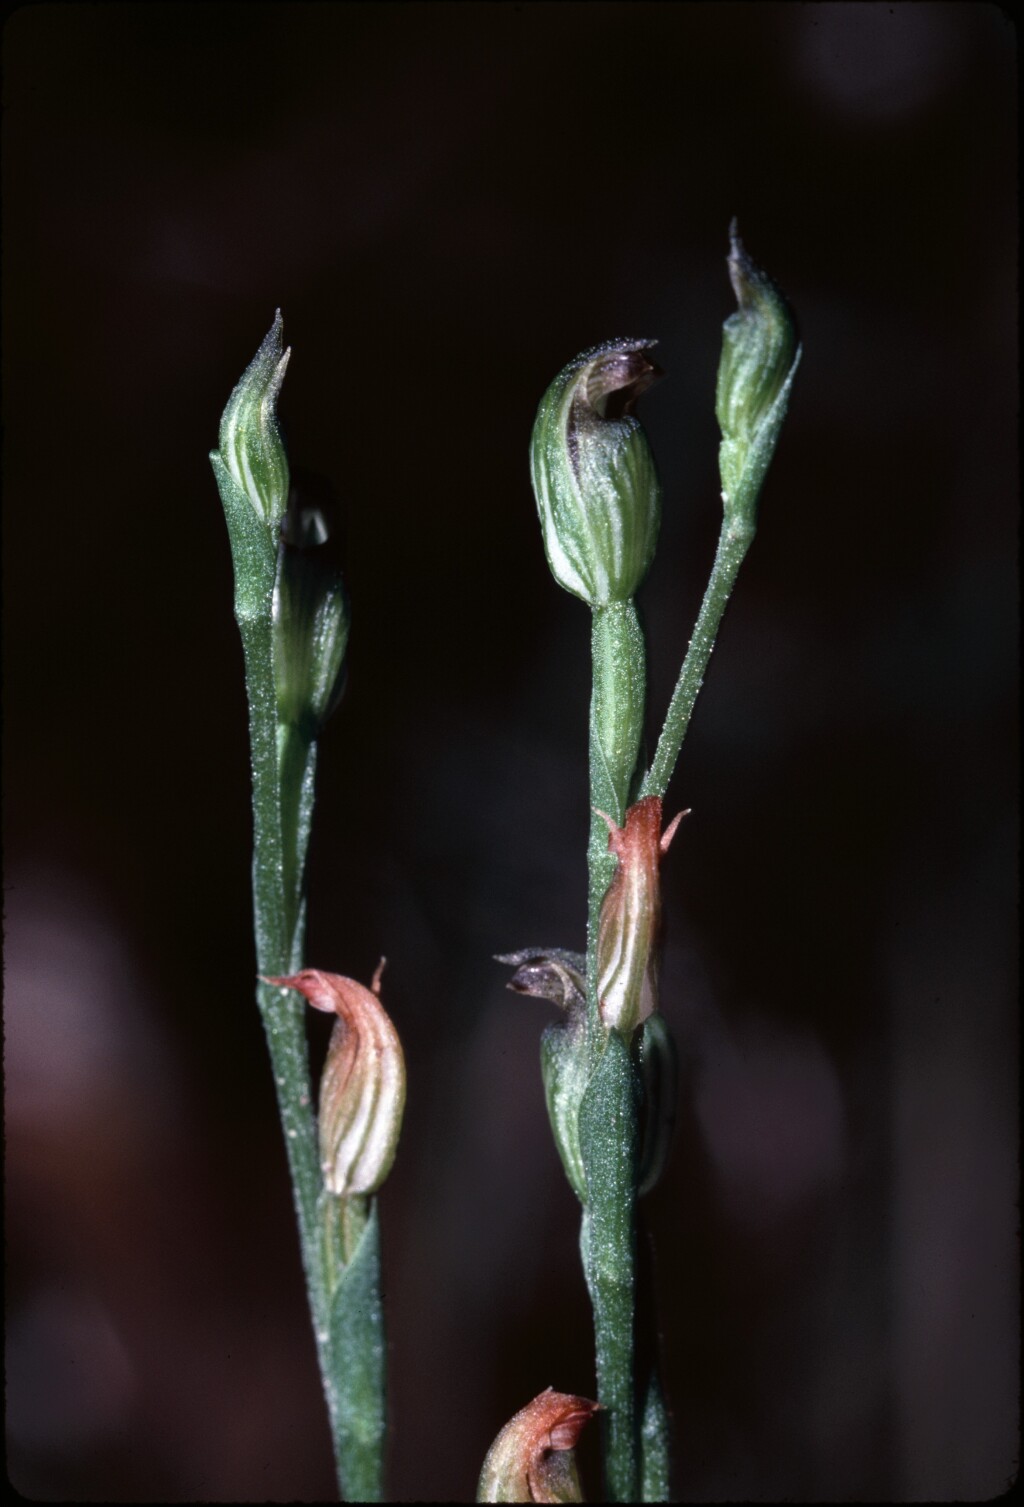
608,1061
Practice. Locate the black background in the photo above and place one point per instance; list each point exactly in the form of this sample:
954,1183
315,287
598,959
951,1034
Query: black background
449,202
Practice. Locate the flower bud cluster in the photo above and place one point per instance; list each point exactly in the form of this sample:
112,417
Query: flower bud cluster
283,569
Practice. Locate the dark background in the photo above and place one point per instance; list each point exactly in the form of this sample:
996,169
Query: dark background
449,202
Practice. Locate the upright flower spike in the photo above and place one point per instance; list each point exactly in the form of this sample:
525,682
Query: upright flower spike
760,355
627,989
594,477
532,1458
362,1090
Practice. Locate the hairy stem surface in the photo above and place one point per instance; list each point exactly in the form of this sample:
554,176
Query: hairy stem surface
609,1112
733,543
346,1310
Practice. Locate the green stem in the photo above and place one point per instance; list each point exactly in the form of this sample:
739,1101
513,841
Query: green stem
296,762
733,543
616,729
609,1121
356,1325
608,1115
655,1442
279,936
283,765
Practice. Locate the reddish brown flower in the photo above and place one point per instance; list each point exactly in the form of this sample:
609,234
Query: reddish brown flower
531,1460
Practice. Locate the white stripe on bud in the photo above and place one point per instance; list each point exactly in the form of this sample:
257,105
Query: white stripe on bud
251,447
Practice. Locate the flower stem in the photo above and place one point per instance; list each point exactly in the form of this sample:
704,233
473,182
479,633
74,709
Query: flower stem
609,1110
348,1334
733,543
618,660
608,1142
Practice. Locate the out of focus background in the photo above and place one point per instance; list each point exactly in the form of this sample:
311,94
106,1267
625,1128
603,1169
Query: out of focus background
448,202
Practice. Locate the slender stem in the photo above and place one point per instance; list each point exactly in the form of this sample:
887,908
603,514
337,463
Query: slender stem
608,1116
279,941
352,1257
617,702
296,763
279,946
608,1138
733,543
345,1305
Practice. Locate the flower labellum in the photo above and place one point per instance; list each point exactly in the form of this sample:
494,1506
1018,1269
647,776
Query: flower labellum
549,973
362,1090
532,1458
630,915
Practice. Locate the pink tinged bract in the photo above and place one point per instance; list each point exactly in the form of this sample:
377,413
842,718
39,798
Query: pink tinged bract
627,982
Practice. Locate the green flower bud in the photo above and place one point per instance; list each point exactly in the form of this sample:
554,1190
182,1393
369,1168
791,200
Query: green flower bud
551,973
532,1459
250,441
311,623
252,475
760,355
565,1070
593,473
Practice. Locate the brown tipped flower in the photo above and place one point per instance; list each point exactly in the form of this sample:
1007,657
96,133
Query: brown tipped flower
594,478
548,973
552,973
362,1090
627,989
532,1458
